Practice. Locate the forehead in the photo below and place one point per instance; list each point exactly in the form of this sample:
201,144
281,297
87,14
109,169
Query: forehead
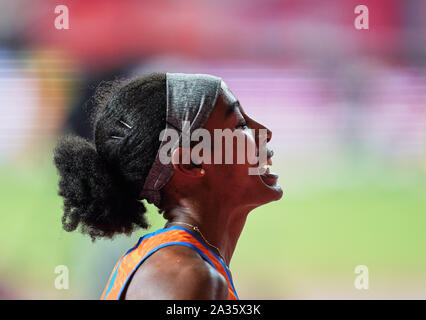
221,109
226,93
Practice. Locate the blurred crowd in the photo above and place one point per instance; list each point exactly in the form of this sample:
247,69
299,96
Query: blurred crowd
300,65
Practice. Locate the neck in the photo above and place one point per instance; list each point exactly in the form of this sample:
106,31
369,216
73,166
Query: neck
220,225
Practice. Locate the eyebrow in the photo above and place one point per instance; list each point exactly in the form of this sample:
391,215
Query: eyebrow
234,105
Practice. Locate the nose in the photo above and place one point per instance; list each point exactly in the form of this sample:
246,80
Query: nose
260,132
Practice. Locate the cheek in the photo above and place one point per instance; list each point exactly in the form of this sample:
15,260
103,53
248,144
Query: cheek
245,158
251,148
245,148
238,155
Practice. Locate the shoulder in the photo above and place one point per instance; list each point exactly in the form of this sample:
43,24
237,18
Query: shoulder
177,272
201,281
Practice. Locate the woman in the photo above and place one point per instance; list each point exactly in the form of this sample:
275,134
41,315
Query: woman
204,202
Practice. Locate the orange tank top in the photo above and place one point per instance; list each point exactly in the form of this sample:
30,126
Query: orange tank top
147,245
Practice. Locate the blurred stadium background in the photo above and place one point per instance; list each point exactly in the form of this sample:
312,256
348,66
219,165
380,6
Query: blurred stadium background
347,109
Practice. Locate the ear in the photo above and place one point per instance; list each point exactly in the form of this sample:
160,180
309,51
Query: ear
181,161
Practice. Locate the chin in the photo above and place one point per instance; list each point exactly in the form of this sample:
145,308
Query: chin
273,193
270,186
266,191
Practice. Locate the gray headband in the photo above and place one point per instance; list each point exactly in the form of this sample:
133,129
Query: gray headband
190,97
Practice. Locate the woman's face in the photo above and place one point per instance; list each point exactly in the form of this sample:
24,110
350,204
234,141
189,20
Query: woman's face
234,181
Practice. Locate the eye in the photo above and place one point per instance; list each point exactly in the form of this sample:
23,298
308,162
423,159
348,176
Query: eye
242,125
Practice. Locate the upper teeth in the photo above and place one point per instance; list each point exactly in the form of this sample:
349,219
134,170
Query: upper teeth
266,166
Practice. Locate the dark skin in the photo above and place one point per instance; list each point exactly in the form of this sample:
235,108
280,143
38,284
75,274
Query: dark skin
217,199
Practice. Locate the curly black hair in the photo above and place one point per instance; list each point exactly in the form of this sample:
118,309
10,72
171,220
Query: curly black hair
100,181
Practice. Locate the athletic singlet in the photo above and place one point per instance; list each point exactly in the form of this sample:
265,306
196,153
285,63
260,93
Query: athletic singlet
147,245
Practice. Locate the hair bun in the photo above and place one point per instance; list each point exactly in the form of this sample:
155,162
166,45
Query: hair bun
92,197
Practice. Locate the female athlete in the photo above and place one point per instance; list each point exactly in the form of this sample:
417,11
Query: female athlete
205,200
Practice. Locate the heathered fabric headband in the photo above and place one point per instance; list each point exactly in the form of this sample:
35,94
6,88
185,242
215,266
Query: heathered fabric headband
190,97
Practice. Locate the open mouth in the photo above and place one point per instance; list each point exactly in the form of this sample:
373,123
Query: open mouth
268,177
